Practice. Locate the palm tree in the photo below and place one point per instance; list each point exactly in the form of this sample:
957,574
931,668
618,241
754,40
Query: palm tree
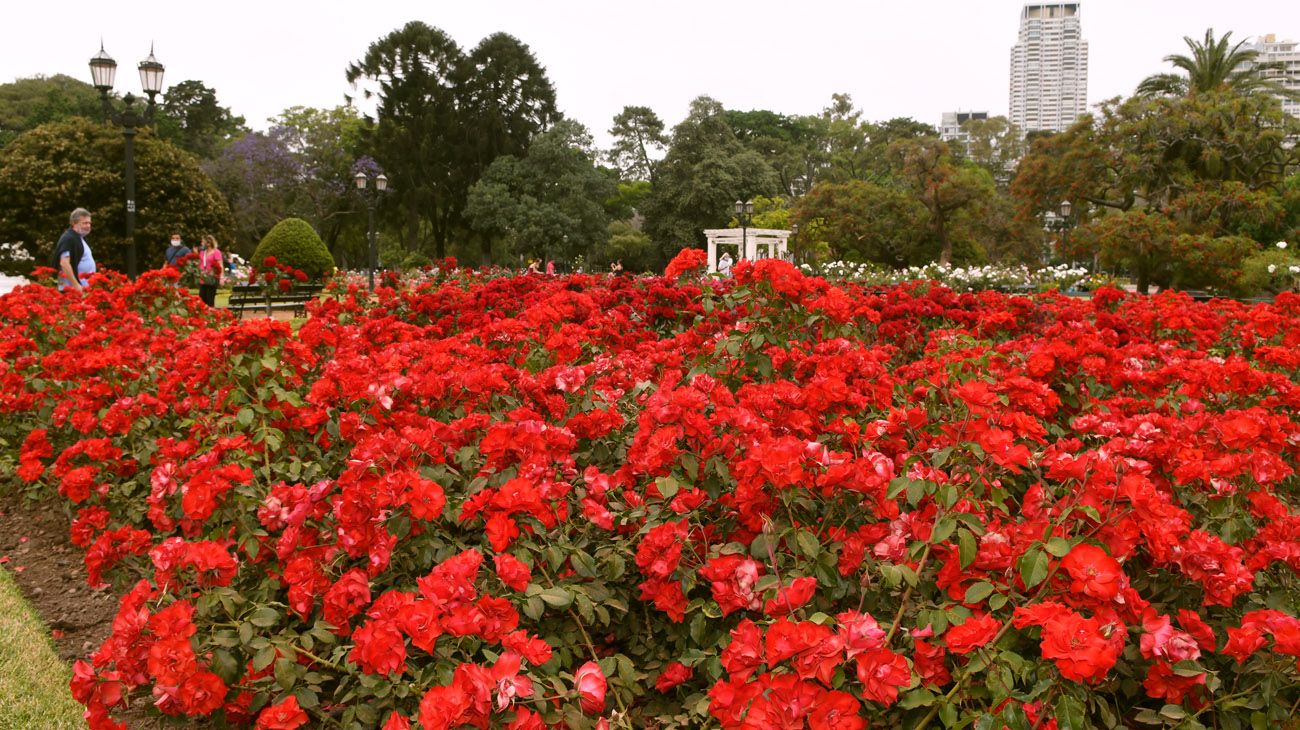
1213,65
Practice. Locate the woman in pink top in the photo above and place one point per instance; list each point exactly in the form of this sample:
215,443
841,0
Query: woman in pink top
211,270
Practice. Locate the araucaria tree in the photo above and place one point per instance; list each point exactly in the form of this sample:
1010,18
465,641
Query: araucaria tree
443,116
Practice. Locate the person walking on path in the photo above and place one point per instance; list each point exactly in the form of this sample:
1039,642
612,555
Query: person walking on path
211,270
73,258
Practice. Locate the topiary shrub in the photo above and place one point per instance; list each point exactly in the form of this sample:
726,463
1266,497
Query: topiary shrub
293,242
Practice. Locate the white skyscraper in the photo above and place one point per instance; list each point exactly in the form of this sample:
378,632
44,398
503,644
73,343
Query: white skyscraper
1049,68
1287,55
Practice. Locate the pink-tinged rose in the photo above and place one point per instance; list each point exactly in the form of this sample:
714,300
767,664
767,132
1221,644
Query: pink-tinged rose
589,680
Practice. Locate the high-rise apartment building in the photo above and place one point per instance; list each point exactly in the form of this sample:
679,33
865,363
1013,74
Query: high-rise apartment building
1049,68
950,128
1287,55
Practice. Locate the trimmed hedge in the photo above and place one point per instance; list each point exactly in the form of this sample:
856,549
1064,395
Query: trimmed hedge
293,242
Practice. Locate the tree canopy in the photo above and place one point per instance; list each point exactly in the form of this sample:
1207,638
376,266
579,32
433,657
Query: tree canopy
47,172
1215,66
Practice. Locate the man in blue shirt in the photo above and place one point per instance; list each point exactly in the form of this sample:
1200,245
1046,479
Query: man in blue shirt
76,263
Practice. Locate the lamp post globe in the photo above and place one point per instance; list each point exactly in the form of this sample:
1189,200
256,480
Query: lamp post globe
103,72
362,181
744,209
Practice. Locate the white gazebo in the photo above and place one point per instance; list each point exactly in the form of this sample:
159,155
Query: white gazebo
747,244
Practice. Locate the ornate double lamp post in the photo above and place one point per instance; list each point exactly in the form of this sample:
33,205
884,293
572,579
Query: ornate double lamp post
103,69
380,185
744,214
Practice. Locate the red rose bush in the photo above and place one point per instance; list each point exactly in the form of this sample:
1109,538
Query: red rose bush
590,501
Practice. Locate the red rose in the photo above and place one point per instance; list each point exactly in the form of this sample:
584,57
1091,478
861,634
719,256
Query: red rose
284,716
790,598
512,571
1094,573
590,683
673,675
379,649
1081,651
882,673
837,711
977,631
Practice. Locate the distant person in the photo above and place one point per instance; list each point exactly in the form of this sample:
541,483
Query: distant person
532,267
72,255
616,268
175,252
550,268
211,270
724,264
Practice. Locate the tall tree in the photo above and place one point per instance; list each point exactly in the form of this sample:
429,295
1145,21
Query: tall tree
793,146
637,131
28,103
925,167
705,171
259,175
326,143
1214,65
419,138
548,203
506,99
994,144
862,221
191,117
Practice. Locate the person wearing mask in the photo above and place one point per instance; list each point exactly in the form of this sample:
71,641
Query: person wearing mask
176,251
72,256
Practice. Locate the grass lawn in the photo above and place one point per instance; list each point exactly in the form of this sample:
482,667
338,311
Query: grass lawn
33,681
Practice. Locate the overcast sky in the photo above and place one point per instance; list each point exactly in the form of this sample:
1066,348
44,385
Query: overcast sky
896,58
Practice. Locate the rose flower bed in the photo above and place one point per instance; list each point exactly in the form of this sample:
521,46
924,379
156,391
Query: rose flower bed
592,501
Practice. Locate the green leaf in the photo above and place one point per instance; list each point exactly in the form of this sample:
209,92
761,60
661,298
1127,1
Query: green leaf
919,697
808,544
533,608
263,658
1173,712
667,486
557,597
1059,547
978,592
967,548
265,617
1070,714
943,530
286,674
245,417
1033,567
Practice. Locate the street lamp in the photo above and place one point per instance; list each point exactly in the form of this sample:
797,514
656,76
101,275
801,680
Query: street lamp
381,184
794,243
103,69
1061,225
744,211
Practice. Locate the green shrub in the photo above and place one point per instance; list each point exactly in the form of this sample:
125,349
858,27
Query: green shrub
294,243
1257,278
415,260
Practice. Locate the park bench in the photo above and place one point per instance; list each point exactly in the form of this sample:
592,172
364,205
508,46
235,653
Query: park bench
271,299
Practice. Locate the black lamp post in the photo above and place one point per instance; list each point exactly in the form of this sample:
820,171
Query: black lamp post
1061,224
381,184
744,211
102,71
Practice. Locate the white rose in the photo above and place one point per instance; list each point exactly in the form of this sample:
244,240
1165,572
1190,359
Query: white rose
1272,268
1281,244
1295,269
